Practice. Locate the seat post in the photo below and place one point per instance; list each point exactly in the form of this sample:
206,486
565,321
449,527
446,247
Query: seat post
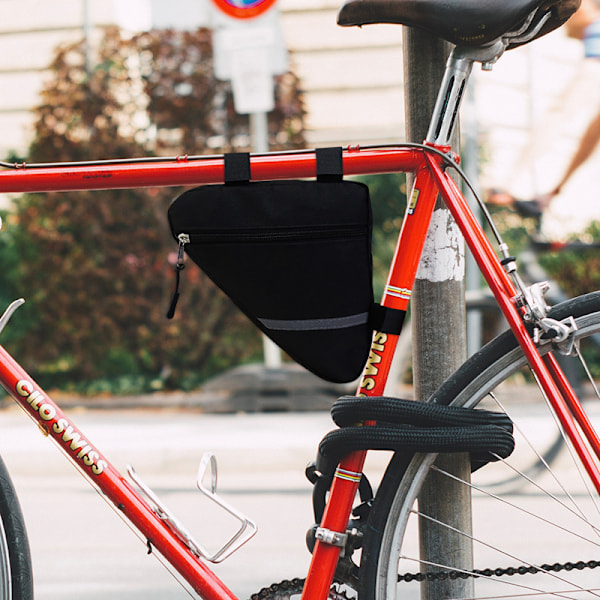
456,76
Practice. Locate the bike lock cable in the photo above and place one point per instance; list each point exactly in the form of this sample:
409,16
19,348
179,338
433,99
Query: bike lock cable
408,426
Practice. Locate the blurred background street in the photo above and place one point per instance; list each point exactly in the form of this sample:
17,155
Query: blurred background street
81,546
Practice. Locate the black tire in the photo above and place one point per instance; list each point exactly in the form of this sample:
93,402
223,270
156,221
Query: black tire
389,529
16,580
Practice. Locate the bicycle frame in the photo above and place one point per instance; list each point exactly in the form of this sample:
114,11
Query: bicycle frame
431,179
429,164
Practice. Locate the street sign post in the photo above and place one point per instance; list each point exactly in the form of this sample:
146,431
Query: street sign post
248,50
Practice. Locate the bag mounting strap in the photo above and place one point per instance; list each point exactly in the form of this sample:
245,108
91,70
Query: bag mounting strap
386,320
330,166
237,167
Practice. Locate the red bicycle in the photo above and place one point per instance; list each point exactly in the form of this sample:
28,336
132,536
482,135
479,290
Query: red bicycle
368,545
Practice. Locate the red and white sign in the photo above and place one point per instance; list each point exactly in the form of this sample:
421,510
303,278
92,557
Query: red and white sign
244,9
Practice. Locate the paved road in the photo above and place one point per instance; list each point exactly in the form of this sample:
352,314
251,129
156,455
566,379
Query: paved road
81,546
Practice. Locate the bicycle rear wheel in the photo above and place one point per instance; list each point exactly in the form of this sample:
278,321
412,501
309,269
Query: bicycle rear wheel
542,540
16,581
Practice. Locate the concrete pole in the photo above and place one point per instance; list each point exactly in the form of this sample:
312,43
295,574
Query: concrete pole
439,338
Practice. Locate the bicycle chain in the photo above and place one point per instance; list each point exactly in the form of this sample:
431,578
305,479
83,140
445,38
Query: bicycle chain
500,572
287,588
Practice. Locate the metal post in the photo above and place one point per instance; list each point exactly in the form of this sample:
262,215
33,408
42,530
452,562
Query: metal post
86,28
259,131
471,168
438,334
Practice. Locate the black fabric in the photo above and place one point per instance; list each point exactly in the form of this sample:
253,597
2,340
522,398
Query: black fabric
237,167
295,257
330,166
387,320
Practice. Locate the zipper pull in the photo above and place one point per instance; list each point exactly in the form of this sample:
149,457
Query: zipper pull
184,239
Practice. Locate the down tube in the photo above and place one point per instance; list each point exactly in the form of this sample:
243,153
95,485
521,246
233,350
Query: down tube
103,476
557,390
396,295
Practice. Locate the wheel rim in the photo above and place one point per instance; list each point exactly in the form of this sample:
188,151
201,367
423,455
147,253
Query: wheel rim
5,570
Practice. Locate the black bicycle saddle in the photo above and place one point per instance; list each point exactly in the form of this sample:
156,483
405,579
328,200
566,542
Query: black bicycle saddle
462,22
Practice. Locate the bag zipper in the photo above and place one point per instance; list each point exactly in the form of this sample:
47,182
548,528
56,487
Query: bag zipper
184,239
179,266
276,235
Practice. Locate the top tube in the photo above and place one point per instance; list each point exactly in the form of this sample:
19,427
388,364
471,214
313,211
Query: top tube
198,170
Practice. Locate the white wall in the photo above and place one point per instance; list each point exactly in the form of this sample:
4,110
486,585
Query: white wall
29,32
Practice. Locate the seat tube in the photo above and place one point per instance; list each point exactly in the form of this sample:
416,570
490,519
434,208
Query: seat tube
421,202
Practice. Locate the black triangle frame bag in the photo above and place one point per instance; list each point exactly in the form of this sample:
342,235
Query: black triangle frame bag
294,256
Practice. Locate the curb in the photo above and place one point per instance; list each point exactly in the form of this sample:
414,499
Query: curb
249,388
